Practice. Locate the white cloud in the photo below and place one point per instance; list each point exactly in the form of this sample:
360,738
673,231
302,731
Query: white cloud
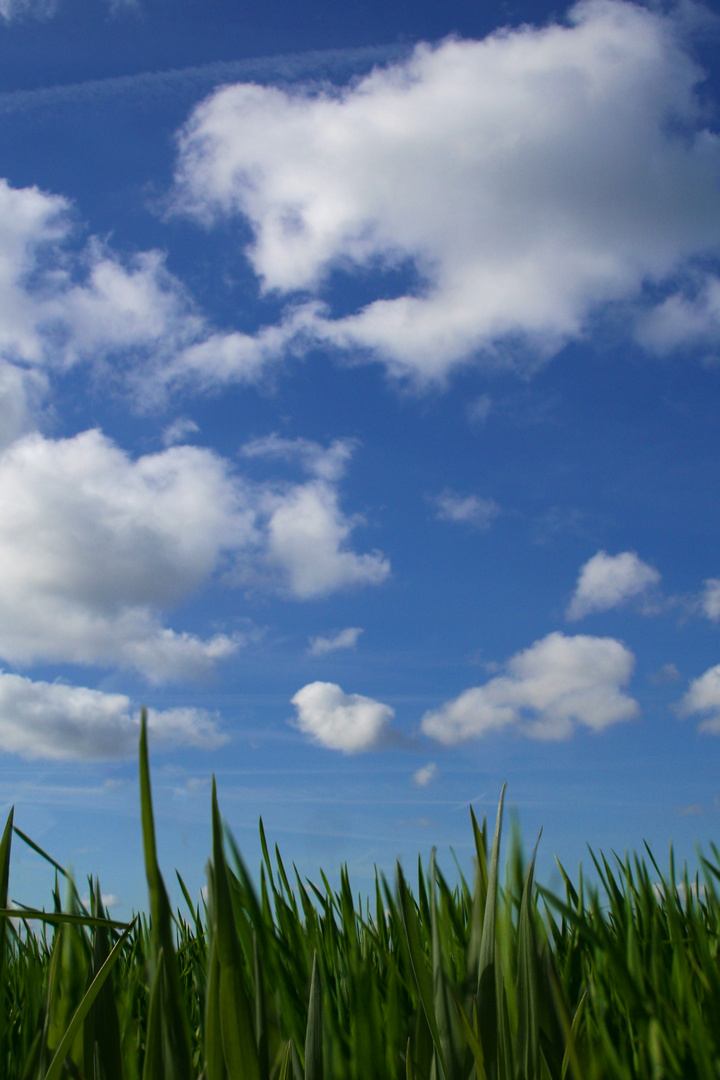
306,549
607,581
63,303
348,722
703,699
710,599
558,683
426,774
59,722
94,546
341,639
531,178
466,509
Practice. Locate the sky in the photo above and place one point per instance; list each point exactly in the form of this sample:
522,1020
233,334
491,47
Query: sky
359,398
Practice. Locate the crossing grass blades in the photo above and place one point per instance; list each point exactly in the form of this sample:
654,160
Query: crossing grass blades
498,981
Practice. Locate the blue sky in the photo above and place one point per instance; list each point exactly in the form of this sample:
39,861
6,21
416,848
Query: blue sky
359,387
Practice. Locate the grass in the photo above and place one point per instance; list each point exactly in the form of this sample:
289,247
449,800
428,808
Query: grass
494,980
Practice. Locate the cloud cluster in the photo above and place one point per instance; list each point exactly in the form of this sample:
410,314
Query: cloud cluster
95,546
52,720
529,179
546,691
63,302
607,581
339,721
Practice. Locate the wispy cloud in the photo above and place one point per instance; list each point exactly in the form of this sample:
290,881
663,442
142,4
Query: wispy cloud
341,639
466,509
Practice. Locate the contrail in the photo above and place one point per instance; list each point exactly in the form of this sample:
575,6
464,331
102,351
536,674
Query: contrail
192,83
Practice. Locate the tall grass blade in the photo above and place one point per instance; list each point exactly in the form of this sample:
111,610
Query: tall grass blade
176,1035
527,1056
236,1022
487,1004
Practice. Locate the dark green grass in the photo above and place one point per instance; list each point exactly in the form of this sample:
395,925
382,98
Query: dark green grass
494,979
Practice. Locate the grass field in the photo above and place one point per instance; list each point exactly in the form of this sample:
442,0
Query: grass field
494,978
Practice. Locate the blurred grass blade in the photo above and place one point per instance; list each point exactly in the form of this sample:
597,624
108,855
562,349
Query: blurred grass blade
153,1067
570,1055
214,1058
261,1025
5,845
314,1034
56,1065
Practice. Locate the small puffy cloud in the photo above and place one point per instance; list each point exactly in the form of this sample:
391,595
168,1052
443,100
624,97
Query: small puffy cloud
426,774
69,723
710,599
341,639
607,581
530,179
466,509
546,691
348,722
94,546
703,699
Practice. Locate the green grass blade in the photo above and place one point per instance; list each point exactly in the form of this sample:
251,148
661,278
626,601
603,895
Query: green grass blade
314,1033
153,1066
527,1057
236,1023
5,845
56,1065
486,989
423,977
175,1023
